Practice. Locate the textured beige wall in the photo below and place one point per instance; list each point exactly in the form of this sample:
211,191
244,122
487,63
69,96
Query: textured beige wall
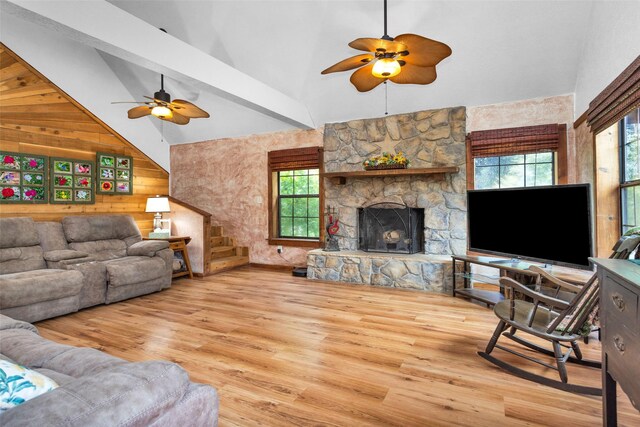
228,178
529,112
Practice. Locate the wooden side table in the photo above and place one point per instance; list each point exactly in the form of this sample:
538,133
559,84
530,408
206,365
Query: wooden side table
179,244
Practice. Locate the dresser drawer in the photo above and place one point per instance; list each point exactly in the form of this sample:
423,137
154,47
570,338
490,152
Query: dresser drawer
622,348
619,304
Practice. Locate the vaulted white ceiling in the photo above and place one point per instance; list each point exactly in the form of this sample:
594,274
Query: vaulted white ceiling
502,51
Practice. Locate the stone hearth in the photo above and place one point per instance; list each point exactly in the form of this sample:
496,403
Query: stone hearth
429,139
412,271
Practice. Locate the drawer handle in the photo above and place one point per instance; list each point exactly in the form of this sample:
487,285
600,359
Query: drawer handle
619,343
618,301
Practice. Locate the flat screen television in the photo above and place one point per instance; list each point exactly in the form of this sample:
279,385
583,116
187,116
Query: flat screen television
547,224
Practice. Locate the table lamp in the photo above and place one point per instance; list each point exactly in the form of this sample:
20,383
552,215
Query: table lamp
158,205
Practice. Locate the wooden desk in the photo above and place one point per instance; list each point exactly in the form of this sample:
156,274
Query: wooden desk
179,244
620,323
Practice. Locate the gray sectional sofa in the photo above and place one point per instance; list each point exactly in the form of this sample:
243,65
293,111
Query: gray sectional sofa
52,268
96,389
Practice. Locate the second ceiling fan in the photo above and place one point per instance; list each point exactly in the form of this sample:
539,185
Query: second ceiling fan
177,111
405,59
161,106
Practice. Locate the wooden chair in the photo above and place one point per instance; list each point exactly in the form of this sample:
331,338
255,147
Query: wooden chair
555,317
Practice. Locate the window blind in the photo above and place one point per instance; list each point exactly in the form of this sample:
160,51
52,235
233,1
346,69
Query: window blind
616,100
294,158
510,141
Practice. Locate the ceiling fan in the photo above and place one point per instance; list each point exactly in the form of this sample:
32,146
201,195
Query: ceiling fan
405,59
161,106
177,111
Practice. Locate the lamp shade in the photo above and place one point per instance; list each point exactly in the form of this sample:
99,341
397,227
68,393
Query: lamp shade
157,204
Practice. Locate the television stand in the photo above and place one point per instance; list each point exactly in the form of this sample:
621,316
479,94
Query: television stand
489,271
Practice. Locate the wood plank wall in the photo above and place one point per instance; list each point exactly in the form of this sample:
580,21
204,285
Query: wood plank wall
37,117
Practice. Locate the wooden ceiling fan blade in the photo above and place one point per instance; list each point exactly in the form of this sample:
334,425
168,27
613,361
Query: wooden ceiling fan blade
187,109
371,45
423,52
177,118
363,80
137,112
413,74
350,63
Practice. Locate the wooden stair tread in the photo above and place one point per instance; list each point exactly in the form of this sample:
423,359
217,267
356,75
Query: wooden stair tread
224,252
222,248
226,263
219,241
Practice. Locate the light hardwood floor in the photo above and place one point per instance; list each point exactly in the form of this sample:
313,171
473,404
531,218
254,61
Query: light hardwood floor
288,351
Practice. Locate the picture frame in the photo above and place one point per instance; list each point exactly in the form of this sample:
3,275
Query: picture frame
115,174
72,181
23,178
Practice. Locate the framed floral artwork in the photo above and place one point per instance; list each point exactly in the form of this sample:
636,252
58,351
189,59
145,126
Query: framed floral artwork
23,178
115,174
72,181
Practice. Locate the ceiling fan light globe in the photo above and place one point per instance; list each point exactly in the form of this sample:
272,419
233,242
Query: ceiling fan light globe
385,68
162,112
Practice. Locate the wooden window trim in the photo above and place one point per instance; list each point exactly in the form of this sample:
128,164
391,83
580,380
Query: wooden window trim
521,140
293,159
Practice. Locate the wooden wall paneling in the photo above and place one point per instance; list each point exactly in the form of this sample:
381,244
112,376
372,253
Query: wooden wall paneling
37,117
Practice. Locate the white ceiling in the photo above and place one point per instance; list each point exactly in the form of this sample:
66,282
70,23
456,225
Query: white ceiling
502,51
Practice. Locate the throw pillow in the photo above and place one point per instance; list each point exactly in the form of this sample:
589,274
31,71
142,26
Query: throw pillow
19,384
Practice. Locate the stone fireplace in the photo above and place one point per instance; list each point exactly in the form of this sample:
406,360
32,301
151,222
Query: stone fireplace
429,139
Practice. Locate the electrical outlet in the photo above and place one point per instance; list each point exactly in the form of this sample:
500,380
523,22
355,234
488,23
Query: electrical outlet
279,249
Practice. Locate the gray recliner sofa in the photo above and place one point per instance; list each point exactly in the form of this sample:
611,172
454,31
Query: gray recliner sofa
96,389
132,267
48,268
29,290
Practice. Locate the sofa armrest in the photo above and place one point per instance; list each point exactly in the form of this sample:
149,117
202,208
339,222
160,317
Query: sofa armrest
63,254
65,257
125,395
147,248
7,322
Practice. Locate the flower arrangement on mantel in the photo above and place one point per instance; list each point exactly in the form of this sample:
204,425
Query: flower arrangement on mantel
386,161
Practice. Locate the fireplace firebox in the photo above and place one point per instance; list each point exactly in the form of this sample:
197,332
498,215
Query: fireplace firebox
391,228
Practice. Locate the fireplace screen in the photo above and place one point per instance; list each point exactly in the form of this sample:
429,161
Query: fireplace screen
391,227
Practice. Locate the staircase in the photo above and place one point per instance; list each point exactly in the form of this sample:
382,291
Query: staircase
225,253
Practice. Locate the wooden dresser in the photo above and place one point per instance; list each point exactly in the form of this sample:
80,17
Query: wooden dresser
620,322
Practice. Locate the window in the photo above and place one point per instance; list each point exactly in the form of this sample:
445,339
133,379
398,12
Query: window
630,170
521,170
299,204
295,195
527,156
